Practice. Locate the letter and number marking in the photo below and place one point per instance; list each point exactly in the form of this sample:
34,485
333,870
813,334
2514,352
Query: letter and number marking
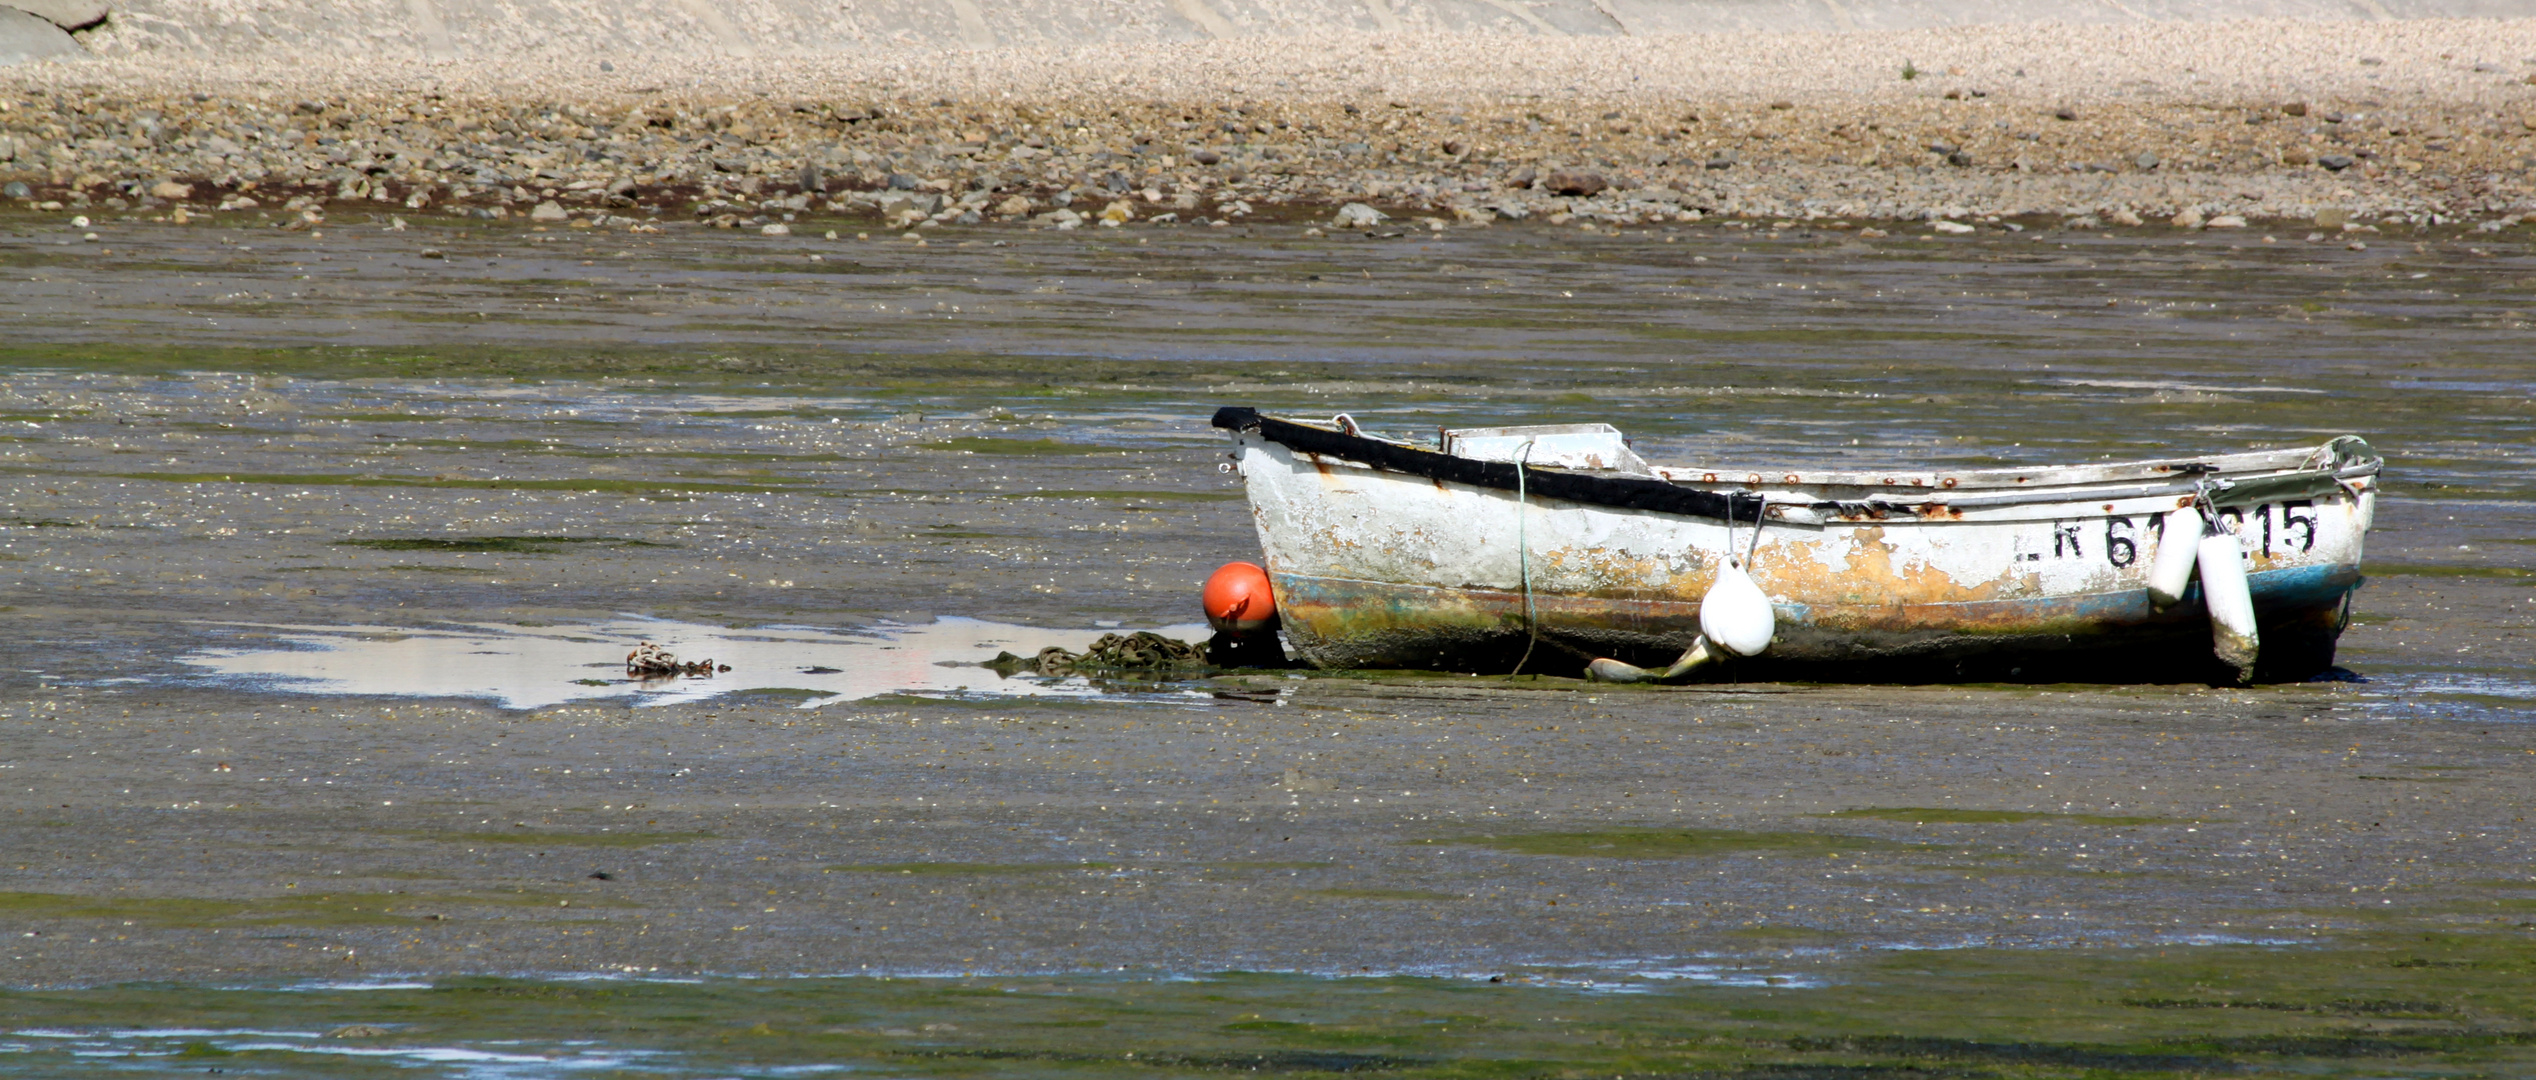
2284,528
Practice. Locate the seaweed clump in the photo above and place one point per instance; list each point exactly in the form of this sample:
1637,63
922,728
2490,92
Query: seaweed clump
1142,651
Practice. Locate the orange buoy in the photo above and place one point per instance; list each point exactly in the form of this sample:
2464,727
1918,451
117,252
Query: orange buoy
1238,599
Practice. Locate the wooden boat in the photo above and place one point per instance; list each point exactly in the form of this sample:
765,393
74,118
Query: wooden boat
1554,547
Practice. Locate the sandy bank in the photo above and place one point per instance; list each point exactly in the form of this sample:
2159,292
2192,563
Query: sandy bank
2258,120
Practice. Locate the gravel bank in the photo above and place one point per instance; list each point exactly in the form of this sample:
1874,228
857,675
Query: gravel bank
2200,126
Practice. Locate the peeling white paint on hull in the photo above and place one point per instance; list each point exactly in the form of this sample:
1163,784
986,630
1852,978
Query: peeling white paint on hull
1385,555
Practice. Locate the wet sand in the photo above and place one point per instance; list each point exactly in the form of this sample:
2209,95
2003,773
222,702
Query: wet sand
744,437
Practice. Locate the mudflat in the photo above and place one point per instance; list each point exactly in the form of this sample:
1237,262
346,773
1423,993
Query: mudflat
224,441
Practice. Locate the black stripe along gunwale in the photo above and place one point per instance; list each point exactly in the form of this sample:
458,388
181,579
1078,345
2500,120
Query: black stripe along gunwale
1627,492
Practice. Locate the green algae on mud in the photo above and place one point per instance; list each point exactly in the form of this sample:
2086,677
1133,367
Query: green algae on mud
1385,894
314,909
623,487
1677,843
964,869
2403,1002
988,444
1129,495
562,839
1949,815
2377,569
521,545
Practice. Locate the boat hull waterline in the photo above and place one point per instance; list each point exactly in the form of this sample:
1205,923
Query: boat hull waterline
1386,555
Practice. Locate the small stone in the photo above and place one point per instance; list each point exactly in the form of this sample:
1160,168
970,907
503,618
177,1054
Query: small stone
1782,105
171,190
16,189
434,253
1576,184
550,210
2295,108
2082,222
1013,207
2186,218
2335,162
2332,217
1206,157
1357,215
357,1031
2226,221
776,229
2125,218
2064,113
1953,227
1314,232
2145,162
1723,159
2356,246
1872,233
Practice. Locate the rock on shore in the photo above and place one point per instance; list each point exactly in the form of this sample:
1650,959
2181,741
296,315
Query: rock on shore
25,36
1601,134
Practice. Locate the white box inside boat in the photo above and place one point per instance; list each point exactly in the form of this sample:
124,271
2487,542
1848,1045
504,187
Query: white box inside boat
1565,446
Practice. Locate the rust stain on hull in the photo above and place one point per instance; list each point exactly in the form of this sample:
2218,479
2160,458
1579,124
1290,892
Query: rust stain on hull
1341,623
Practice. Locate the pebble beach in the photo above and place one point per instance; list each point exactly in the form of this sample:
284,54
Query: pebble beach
2333,125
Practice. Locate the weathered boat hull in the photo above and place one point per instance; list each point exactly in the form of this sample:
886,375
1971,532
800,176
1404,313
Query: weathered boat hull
2106,637
1376,565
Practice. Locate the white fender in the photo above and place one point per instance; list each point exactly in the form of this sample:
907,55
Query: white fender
1734,616
2231,603
2176,552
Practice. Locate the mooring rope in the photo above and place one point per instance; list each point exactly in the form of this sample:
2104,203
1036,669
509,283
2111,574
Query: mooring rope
1754,547
1523,561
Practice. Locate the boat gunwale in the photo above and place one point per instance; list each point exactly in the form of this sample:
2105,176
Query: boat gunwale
1937,493
2290,460
1594,488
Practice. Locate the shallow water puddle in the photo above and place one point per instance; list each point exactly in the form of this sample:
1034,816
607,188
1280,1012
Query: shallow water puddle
534,667
173,1048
